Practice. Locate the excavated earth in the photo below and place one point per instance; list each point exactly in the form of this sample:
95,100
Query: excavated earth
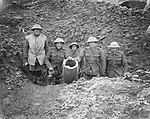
73,21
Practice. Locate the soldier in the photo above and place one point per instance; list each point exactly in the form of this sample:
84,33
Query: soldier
54,60
74,52
34,51
116,64
146,40
147,6
94,60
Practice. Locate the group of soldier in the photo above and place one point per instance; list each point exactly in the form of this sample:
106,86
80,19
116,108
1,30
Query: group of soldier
93,61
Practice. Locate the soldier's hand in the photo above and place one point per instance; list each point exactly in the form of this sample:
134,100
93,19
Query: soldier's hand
77,59
127,74
50,68
25,64
49,75
69,58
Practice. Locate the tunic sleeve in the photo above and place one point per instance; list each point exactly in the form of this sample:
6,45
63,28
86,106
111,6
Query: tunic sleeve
66,54
103,60
25,48
81,55
46,47
124,63
47,58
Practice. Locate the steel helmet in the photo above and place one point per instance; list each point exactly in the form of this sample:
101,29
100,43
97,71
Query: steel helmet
36,26
73,43
59,40
92,39
114,45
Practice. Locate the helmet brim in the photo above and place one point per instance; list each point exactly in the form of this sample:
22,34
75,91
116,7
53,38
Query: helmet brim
59,42
72,45
114,46
92,41
36,29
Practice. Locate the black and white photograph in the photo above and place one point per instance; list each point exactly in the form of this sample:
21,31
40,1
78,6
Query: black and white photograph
74,59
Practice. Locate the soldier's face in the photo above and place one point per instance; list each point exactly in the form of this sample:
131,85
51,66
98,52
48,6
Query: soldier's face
74,47
113,49
92,44
37,32
59,45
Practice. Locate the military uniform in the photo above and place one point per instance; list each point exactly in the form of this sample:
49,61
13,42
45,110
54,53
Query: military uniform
74,54
116,64
94,62
55,59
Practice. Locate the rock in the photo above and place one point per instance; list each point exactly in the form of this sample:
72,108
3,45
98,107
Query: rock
34,117
127,35
39,117
77,21
6,101
19,117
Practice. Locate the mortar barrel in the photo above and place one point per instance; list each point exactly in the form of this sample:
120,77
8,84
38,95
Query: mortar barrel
70,70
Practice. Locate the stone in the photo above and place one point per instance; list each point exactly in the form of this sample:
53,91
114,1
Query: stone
127,35
39,117
20,117
6,101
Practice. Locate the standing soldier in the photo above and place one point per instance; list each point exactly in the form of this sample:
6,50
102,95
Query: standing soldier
116,64
34,51
74,53
54,61
94,60
74,50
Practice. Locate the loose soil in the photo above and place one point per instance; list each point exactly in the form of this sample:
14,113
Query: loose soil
75,21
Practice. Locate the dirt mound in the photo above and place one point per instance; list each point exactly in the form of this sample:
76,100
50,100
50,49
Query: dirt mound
31,100
96,98
73,21
77,20
110,98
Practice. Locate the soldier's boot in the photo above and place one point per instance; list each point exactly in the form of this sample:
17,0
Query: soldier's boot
44,76
58,80
61,81
35,79
49,80
53,81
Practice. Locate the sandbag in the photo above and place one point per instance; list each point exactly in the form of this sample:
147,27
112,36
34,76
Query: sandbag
70,70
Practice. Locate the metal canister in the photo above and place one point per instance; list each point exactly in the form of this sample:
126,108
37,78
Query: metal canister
70,70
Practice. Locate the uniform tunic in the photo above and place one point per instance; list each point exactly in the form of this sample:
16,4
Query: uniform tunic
34,51
74,54
94,61
54,58
116,64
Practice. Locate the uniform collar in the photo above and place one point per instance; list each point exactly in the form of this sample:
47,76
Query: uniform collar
59,49
35,36
114,53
